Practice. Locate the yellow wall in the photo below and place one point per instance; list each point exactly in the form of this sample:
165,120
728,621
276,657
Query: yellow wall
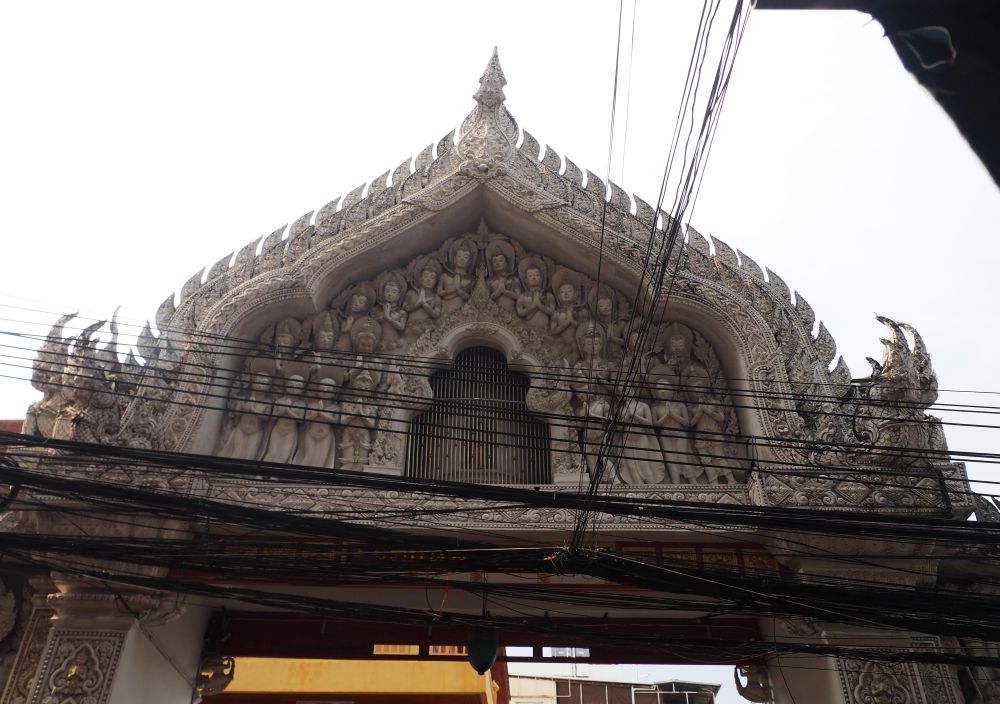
280,675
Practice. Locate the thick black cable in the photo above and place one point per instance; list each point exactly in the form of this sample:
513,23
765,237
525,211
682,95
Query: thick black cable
899,454
95,369
366,612
865,524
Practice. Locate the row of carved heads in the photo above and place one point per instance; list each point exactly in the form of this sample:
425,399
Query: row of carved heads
397,306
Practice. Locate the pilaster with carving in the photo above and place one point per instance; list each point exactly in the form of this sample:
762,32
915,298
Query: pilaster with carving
900,683
32,631
89,629
78,666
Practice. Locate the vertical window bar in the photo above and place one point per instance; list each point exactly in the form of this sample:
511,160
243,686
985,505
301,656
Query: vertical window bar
478,428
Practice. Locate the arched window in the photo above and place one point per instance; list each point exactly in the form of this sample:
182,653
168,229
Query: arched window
478,428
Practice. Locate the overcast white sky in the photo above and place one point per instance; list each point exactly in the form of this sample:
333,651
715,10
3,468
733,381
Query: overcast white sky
142,141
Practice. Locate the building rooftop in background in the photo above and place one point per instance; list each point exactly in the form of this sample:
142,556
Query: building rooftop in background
583,690
10,426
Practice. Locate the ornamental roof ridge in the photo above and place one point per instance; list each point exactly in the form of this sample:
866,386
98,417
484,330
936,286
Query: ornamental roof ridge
486,146
489,145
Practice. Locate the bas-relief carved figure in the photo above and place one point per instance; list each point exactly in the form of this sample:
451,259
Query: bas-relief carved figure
711,441
670,417
591,389
698,428
358,303
317,443
455,286
249,409
359,411
287,413
602,304
81,671
535,305
641,460
423,303
879,683
566,316
391,291
286,338
504,285
358,415
80,675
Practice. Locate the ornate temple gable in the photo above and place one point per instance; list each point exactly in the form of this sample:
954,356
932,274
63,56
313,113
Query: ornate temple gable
788,391
563,215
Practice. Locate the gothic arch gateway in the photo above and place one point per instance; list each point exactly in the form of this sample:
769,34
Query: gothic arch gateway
449,321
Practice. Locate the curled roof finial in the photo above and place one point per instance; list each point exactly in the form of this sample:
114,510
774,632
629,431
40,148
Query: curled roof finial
491,83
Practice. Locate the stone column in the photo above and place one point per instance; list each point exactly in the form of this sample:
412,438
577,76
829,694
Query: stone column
843,680
862,682
795,679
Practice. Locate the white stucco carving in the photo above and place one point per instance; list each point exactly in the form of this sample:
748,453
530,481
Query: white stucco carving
401,254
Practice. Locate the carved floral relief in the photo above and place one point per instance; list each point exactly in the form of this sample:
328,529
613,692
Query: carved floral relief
78,668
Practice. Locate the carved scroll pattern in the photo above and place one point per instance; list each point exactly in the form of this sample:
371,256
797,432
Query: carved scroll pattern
78,667
440,510
936,680
910,491
878,683
29,656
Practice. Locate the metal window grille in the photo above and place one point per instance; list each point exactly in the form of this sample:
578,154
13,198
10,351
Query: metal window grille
478,429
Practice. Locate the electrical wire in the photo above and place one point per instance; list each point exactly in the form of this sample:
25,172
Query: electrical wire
397,400
726,515
695,647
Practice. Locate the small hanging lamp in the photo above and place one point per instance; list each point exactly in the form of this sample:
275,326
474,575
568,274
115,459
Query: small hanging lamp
483,642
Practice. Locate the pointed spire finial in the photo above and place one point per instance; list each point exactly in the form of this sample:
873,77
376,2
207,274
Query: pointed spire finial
491,83
487,143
